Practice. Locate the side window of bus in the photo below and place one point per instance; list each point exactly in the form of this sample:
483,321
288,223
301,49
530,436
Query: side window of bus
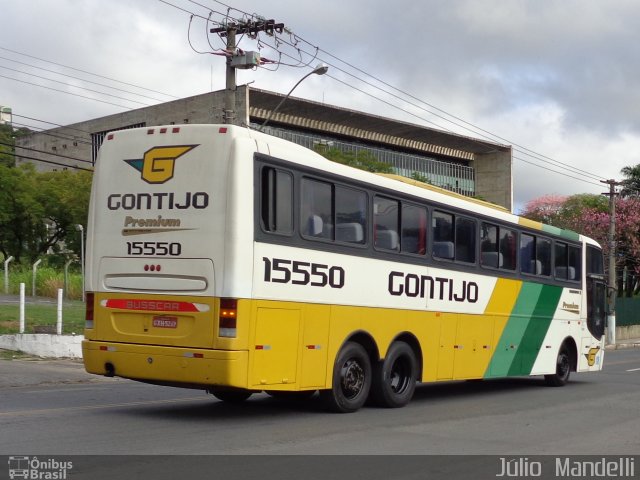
351,208
595,262
543,255
333,212
465,240
454,237
567,262
277,201
413,235
575,263
317,209
528,262
443,235
535,255
386,219
497,247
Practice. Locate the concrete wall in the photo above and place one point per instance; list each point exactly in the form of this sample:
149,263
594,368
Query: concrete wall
494,177
44,345
71,145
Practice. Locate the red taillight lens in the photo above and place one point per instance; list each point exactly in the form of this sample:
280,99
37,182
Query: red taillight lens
89,297
228,317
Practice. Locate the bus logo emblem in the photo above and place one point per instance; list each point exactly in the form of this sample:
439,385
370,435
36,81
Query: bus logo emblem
158,163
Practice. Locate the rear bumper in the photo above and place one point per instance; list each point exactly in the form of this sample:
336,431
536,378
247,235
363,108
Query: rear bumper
187,367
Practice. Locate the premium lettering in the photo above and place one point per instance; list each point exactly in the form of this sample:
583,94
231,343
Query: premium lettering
159,221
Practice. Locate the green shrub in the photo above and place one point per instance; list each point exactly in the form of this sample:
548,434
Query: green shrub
48,281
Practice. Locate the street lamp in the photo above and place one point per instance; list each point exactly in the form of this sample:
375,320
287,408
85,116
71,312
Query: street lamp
80,228
320,69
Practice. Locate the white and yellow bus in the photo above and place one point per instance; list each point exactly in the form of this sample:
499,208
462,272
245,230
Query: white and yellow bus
224,259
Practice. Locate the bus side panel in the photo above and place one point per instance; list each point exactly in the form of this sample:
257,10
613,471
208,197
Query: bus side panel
289,345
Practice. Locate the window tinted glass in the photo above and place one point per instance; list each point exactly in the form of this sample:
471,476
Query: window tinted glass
527,254
317,209
561,261
351,206
575,263
277,201
508,248
385,227
413,237
489,246
543,256
465,240
595,263
443,235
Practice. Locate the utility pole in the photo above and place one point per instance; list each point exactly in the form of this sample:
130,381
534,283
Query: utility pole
229,113
611,317
238,59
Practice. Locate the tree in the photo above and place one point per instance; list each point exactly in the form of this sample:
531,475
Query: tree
7,156
362,160
39,211
20,213
545,209
631,184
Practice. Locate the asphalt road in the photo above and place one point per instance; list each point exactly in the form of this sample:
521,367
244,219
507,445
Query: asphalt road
54,407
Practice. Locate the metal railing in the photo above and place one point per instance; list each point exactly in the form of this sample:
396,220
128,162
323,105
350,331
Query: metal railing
452,176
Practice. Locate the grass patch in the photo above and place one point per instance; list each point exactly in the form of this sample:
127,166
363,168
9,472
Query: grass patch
12,355
73,314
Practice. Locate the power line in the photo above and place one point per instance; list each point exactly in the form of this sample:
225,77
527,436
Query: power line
75,167
52,123
46,153
572,171
74,86
63,91
81,79
46,132
87,72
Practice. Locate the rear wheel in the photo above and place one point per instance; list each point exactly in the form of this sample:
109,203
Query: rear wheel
230,395
351,380
394,378
563,369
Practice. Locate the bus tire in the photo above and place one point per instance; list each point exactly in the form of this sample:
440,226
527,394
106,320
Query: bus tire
563,369
229,395
394,378
351,380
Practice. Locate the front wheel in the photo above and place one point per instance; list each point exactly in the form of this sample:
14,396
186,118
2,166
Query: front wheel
563,369
351,380
394,378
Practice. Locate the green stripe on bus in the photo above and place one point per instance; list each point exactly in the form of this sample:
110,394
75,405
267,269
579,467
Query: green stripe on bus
503,357
536,330
566,234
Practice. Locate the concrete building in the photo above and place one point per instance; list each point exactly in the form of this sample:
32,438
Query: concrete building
462,164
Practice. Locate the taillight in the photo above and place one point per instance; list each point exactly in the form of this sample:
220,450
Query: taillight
88,323
228,317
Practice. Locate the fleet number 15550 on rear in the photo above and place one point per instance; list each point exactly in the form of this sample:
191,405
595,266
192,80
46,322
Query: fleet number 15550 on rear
160,249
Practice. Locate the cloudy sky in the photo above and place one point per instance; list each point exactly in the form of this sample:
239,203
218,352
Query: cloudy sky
557,79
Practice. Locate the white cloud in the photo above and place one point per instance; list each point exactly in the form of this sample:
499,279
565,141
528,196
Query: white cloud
559,77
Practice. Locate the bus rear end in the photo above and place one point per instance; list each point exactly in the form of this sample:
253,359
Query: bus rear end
159,307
